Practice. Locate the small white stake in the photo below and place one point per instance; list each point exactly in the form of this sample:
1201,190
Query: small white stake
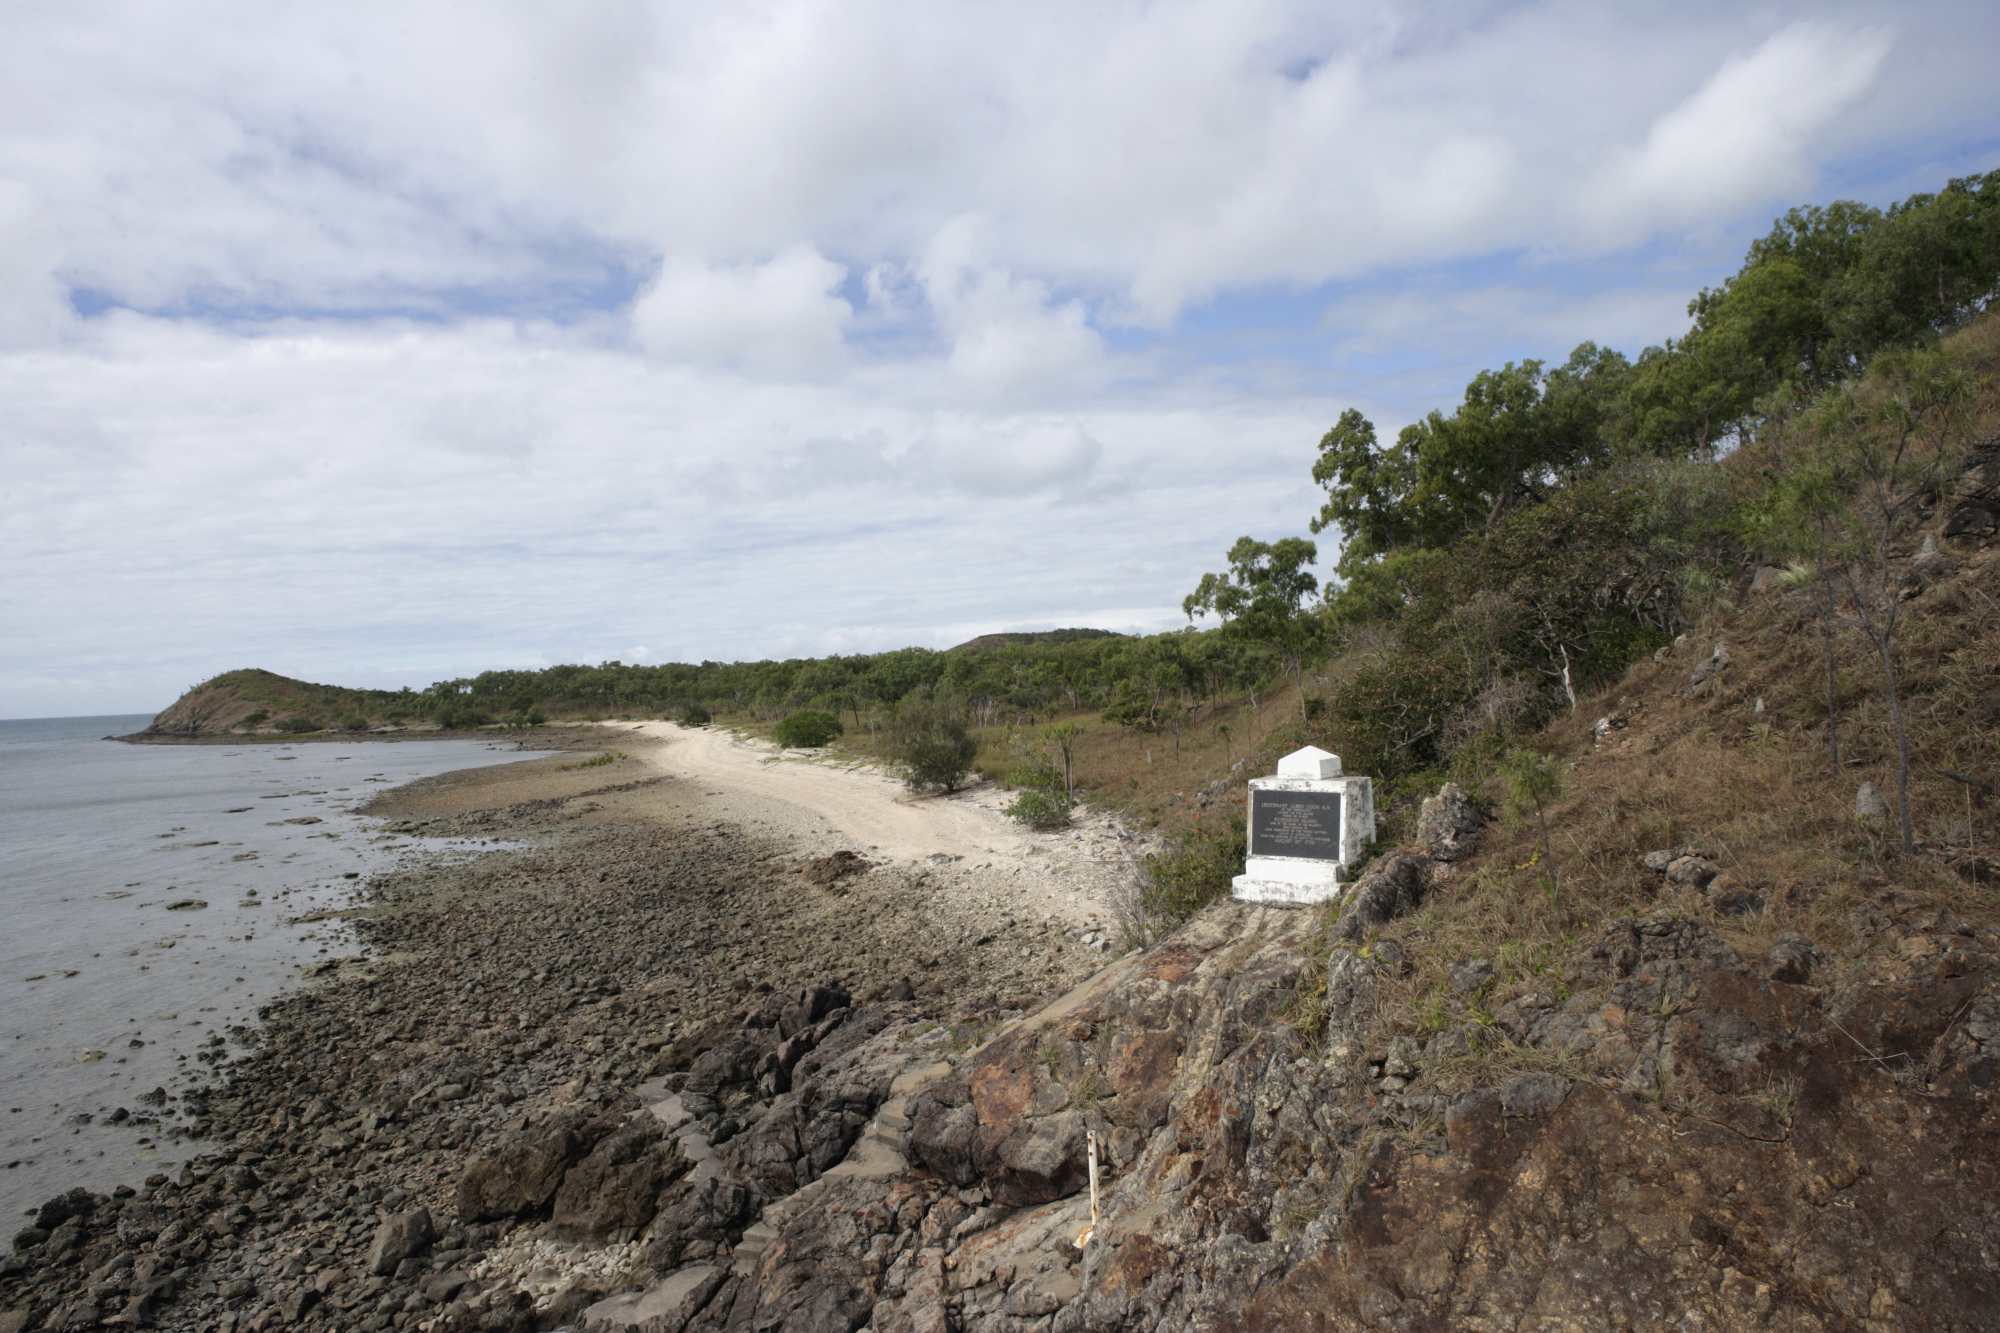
1091,1230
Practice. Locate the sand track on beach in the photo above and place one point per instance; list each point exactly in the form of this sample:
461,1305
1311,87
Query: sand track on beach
1070,872
862,803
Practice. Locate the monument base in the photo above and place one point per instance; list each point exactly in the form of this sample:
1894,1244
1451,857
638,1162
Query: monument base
1270,879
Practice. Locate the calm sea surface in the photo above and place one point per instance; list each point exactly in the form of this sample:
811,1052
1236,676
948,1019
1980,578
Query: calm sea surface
108,989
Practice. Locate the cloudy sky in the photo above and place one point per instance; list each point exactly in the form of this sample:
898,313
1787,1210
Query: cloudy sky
382,343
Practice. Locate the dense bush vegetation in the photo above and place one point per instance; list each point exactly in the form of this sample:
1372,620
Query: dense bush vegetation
932,743
807,729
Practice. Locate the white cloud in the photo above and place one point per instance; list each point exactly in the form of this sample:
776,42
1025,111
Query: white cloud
34,306
1004,458
1744,135
536,332
780,317
1008,337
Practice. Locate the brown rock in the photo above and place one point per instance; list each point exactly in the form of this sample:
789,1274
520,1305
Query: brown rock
525,1174
616,1190
398,1238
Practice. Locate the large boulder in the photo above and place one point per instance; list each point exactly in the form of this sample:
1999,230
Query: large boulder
944,1130
1448,825
525,1174
1048,1159
701,1218
1391,886
398,1238
616,1190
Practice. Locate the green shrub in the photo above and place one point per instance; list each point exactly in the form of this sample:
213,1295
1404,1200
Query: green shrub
292,726
260,716
807,730
1044,802
462,719
354,722
1195,872
694,715
932,744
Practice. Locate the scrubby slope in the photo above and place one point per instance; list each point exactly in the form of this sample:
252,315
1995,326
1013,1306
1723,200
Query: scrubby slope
254,700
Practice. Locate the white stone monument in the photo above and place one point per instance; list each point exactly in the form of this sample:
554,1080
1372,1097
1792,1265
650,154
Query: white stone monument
1306,824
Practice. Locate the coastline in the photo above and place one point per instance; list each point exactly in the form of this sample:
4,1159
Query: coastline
534,738
645,918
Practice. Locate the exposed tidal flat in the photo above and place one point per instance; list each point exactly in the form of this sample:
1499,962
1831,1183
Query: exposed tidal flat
154,896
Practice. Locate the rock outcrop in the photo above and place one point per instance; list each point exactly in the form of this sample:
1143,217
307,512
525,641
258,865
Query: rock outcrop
1667,1133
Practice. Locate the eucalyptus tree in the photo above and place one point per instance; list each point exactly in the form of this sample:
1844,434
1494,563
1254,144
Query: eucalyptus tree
1262,599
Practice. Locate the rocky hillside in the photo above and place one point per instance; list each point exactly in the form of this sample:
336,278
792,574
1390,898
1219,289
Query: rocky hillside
1666,1132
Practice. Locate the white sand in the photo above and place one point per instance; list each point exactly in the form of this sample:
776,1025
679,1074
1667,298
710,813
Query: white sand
1072,873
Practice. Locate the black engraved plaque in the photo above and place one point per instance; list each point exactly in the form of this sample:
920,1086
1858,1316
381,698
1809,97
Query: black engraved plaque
1295,823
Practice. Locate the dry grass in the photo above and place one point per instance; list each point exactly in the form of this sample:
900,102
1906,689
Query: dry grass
1754,791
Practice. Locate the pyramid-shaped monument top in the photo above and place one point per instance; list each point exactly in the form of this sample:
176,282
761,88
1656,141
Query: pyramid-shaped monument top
1311,762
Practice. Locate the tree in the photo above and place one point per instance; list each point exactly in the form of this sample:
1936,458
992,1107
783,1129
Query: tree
1534,782
1262,599
1518,432
1365,489
1063,736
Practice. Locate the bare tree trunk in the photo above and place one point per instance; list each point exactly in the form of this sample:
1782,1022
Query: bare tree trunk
1826,638
1548,851
1902,745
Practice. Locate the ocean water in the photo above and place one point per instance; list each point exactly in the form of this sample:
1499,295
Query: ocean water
149,900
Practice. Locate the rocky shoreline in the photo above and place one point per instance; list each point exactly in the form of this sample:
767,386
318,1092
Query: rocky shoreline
517,1002
689,1077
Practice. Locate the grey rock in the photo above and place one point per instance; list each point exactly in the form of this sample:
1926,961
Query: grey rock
1391,886
1470,975
1533,1094
1974,519
297,1303
1712,667
1868,803
1401,1061
616,1190
1450,1044
1448,825
1046,1162
1765,576
147,1295
63,1207
1931,562
1693,871
944,1130
398,1238
1793,959
441,1289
